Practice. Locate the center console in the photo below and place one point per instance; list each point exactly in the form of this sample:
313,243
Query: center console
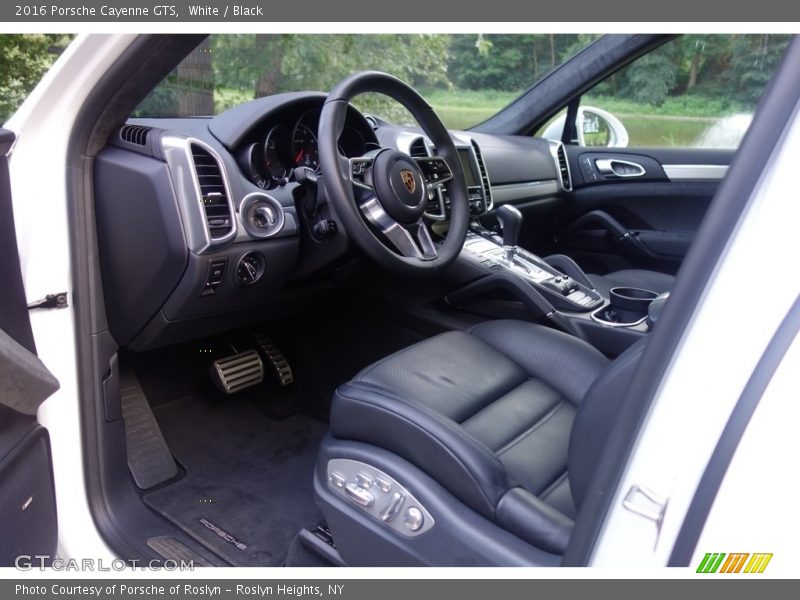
515,283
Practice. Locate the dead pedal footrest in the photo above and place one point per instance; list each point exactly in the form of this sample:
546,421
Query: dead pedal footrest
275,359
237,372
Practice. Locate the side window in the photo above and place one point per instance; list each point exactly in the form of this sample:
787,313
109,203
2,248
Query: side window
697,91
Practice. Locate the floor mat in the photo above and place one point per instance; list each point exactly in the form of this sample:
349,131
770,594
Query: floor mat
248,486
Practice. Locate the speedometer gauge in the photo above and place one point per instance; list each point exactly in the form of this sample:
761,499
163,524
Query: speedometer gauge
305,152
275,146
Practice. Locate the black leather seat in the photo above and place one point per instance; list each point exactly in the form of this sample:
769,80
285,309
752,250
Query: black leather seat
636,278
509,417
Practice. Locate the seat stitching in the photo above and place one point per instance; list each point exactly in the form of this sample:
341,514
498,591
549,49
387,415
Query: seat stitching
488,406
447,422
533,428
549,489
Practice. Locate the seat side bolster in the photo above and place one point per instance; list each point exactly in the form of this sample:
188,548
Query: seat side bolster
527,517
461,463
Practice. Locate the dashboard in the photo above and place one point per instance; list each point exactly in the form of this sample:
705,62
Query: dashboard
288,140
206,224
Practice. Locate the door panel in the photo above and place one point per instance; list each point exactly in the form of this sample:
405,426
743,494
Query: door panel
27,495
637,207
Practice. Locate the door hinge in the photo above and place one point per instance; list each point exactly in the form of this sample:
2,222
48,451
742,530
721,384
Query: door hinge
51,301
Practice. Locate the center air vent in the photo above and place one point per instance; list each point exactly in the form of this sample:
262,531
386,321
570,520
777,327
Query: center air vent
487,188
134,134
563,167
213,193
418,148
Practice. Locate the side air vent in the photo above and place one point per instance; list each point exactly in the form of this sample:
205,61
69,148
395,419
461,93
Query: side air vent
373,122
418,148
487,188
134,134
563,167
212,190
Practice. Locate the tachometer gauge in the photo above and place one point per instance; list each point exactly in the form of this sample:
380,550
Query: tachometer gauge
305,152
276,147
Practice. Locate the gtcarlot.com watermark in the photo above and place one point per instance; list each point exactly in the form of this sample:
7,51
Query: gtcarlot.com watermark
27,562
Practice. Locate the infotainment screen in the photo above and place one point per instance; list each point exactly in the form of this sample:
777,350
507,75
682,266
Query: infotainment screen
469,169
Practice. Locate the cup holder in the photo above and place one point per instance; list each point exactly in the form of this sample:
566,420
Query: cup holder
628,307
631,299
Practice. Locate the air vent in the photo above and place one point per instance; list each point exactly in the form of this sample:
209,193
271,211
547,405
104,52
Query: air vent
213,193
418,148
373,122
487,188
563,167
134,134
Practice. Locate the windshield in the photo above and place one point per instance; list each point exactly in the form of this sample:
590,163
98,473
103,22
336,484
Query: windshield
466,77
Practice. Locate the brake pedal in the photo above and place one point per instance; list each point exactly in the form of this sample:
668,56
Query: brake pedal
275,359
237,372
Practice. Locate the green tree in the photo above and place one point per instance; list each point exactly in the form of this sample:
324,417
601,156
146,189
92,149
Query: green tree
24,58
651,78
753,60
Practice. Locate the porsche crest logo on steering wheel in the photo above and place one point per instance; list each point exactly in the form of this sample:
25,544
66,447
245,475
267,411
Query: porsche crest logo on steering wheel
408,180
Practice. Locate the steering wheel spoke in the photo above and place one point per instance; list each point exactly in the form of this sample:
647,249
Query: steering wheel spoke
412,240
381,197
435,171
360,171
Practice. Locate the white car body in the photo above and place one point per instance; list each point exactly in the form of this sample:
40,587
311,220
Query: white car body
693,404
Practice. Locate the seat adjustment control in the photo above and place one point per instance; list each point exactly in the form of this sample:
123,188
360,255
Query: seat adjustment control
369,490
394,506
414,519
359,495
364,480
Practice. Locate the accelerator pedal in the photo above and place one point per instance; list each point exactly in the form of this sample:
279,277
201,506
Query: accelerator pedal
238,372
275,359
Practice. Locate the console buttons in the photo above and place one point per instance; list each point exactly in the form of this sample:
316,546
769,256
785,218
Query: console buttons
394,506
414,519
383,485
364,480
336,479
359,495
214,275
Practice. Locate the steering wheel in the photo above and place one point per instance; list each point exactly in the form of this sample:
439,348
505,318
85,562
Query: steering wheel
380,197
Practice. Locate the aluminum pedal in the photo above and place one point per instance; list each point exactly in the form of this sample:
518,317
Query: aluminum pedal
237,372
275,359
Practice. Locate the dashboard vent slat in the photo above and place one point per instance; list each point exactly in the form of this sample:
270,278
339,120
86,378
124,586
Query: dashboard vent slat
487,188
134,134
213,193
418,148
563,167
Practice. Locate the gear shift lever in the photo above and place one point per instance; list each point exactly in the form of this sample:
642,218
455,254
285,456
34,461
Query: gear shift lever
511,221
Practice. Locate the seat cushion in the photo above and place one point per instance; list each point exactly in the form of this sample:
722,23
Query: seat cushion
637,278
481,411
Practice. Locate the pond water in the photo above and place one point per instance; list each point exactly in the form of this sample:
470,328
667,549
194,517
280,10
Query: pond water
644,130
687,132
